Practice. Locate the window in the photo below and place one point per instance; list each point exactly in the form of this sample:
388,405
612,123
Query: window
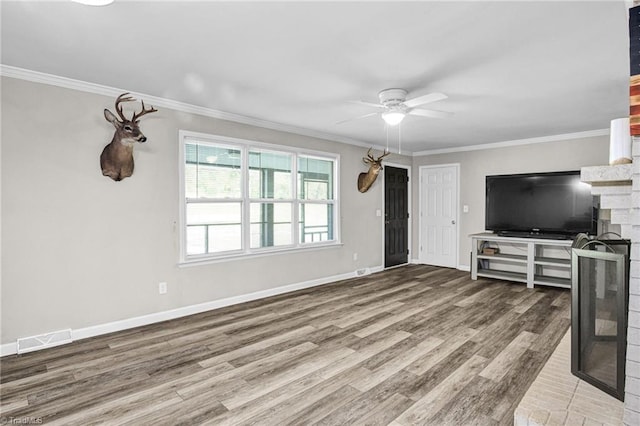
242,198
315,191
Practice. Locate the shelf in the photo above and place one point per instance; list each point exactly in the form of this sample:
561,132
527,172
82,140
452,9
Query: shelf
553,261
534,261
503,275
552,281
516,258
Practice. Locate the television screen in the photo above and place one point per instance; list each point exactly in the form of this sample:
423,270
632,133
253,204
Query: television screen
540,203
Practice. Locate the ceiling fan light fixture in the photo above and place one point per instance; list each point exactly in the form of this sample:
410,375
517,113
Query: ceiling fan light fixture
393,118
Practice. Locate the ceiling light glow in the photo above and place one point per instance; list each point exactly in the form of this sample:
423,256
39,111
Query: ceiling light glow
393,118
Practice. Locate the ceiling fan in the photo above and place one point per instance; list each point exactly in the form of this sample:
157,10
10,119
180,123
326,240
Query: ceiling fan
396,106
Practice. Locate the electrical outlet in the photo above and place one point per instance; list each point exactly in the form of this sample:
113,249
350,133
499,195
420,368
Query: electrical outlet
355,256
162,288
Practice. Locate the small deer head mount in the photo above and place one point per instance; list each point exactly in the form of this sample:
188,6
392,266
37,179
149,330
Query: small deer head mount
116,159
365,180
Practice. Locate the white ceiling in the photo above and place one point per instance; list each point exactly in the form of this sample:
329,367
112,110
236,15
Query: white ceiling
512,70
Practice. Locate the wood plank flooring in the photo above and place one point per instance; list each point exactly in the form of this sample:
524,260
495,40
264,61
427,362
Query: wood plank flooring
412,345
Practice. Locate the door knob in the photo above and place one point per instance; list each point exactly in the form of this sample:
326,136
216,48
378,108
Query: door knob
453,222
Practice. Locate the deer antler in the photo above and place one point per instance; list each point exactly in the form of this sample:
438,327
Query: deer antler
144,111
383,155
369,158
123,98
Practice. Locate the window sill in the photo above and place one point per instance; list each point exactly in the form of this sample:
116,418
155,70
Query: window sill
244,256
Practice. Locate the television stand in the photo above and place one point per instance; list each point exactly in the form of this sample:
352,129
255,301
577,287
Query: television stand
534,261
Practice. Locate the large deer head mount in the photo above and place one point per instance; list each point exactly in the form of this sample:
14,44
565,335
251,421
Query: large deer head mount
116,159
365,180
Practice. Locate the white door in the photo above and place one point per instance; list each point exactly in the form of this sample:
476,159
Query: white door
439,215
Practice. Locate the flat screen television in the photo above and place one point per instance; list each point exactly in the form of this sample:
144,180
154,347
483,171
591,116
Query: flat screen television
553,204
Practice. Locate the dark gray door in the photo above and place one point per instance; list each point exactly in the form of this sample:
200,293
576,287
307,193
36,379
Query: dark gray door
396,216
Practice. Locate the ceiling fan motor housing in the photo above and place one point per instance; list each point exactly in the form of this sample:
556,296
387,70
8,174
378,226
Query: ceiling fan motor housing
392,97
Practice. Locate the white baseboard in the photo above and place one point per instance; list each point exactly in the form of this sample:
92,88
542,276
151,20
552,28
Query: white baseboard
377,269
465,268
9,349
97,330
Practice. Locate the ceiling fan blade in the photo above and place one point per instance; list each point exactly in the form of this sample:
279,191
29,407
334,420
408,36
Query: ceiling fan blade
421,100
430,113
357,118
370,104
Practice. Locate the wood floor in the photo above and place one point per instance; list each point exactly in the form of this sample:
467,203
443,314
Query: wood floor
412,345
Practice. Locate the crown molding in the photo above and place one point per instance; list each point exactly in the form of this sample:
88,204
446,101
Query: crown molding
517,142
84,86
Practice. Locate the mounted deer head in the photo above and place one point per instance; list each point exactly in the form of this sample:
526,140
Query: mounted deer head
365,180
116,159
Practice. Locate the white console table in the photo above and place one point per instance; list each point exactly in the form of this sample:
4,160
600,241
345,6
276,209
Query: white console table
534,261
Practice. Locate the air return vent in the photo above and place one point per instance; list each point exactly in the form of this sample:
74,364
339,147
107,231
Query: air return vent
43,341
362,272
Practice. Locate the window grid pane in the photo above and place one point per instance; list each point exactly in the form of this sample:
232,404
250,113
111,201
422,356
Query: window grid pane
316,222
270,175
212,172
271,224
214,227
315,179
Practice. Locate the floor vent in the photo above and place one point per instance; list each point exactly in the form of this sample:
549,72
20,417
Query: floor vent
43,341
362,272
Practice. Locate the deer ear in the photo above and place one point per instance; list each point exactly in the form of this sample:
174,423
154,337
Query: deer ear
110,117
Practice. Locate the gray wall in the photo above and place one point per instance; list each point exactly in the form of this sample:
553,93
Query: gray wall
476,165
80,250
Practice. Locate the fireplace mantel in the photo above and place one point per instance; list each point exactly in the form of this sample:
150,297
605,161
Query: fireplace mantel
620,174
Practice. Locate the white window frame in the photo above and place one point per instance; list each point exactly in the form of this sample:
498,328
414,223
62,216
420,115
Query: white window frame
245,146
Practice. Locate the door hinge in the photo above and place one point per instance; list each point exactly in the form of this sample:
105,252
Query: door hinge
407,215
408,251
